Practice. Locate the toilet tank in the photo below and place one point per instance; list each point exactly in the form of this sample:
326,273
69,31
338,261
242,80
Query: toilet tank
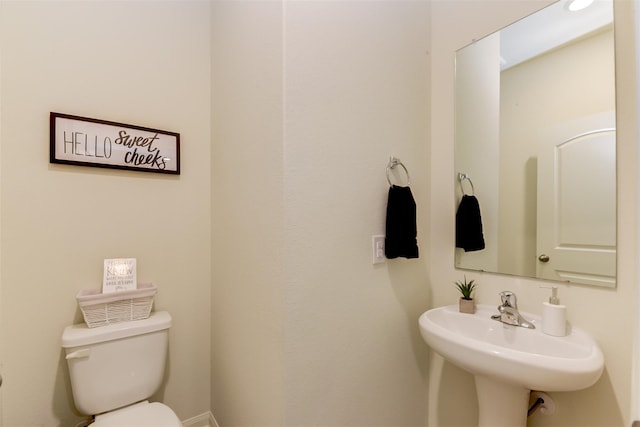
116,365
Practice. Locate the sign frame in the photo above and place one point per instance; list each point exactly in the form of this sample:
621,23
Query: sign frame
119,275
84,141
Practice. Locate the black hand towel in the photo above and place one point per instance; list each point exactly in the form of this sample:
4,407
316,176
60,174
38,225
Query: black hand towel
400,239
469,225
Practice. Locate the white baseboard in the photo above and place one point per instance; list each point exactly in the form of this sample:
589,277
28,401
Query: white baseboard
202,420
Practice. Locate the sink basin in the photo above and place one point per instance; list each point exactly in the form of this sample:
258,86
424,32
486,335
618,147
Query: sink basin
509,361
526,357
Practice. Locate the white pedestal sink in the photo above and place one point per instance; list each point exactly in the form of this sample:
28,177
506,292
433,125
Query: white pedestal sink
510,361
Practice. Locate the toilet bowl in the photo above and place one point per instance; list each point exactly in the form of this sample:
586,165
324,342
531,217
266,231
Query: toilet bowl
115,369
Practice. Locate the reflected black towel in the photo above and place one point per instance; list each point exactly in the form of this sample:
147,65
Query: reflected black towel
469,225
400,239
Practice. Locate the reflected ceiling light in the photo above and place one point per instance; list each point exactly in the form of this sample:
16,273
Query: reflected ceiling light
576,5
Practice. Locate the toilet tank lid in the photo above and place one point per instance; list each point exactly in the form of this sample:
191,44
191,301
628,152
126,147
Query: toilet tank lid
141,414
81,334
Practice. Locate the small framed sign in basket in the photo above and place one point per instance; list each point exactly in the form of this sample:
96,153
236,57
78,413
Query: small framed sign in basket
100,309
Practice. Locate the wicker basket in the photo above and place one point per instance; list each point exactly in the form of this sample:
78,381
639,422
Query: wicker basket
100,309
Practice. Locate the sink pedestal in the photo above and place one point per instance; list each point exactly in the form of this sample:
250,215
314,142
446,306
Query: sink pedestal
500,404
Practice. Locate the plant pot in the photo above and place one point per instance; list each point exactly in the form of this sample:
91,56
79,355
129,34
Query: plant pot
467,306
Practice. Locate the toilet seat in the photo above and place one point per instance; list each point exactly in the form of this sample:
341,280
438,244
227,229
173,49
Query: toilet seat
141,414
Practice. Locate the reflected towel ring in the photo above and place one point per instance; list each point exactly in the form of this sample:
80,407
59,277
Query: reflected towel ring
464,177
393,162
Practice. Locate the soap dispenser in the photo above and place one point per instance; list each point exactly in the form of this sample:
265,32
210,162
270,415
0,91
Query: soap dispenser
554,317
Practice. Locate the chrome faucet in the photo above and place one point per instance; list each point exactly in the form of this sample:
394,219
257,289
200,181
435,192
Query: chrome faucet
509,311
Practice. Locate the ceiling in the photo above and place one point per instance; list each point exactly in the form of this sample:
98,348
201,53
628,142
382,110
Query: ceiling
549,28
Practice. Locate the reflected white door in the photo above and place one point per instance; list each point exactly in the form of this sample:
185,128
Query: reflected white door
576,236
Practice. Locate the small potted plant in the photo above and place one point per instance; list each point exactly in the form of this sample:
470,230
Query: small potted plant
466,303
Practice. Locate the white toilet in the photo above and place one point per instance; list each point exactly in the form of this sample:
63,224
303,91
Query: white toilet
115,368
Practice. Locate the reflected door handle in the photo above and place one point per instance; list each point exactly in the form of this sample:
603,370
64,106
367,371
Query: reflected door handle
543,258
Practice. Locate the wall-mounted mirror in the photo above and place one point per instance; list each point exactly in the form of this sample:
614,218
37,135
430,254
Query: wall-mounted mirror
535,145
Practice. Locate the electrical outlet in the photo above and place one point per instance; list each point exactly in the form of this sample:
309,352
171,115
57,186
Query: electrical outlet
377,243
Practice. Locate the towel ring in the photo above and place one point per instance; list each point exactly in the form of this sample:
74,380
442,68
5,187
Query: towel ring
462,177
393,162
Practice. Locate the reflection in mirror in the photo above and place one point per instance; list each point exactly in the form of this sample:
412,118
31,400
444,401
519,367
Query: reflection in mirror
535,135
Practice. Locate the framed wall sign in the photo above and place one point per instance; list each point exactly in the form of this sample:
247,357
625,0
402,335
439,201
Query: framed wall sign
119,275
90,142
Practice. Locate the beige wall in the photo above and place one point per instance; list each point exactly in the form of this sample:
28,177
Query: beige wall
247,366
143,63
607,314
477,147
525,113
261,248
332,340
356,92
310,100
